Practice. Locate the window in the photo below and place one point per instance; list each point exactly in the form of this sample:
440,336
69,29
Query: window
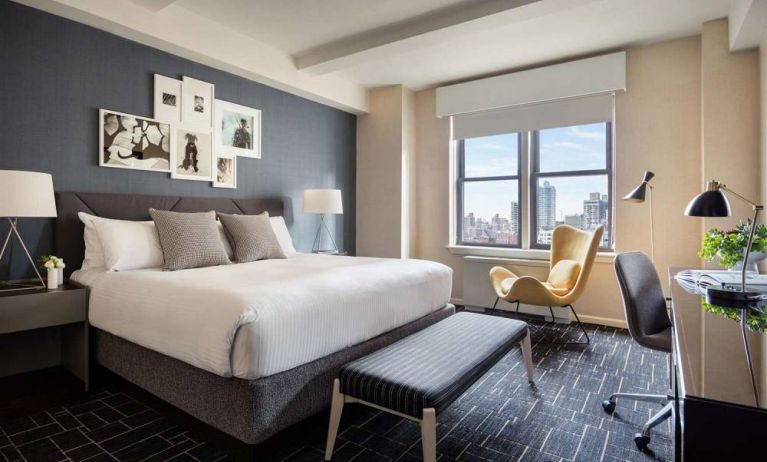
566,173
489,191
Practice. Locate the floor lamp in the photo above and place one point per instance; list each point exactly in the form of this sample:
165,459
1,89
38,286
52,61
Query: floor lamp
24,195
638,195
322,202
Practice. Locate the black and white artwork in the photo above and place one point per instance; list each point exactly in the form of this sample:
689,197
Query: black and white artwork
226,172
167,99
238,130
197,104
192,156
139,143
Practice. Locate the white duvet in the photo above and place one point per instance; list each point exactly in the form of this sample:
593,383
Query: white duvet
256,319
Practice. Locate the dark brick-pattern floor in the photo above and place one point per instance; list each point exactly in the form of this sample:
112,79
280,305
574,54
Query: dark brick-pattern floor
500,418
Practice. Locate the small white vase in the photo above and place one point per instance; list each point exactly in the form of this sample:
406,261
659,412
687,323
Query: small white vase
61,275
53,278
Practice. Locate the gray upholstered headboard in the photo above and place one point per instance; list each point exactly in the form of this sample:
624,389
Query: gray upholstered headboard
69,230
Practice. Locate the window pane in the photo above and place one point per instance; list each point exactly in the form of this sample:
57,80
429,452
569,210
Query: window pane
582,147
580,201
491,156
490,212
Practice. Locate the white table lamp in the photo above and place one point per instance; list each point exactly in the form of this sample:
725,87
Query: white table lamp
25,195
322,202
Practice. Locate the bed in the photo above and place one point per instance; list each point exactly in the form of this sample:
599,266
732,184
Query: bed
250,348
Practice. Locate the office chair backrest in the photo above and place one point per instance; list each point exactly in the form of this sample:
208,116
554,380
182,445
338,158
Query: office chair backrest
643,299
568,243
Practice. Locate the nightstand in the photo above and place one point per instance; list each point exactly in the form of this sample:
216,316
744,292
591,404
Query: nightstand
65,308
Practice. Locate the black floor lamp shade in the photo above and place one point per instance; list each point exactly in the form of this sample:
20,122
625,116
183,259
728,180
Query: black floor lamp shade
709,204
638,193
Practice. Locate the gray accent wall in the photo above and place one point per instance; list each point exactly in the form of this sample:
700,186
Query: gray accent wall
55,74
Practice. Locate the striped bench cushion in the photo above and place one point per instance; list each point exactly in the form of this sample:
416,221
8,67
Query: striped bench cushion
433,367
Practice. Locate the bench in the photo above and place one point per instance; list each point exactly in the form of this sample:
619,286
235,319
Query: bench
421,375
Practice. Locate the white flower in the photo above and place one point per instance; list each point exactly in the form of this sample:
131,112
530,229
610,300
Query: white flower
49,264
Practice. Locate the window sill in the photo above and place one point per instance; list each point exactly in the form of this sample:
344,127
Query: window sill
531,257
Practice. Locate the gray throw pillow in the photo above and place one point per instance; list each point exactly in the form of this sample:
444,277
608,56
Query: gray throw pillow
189,240
252,237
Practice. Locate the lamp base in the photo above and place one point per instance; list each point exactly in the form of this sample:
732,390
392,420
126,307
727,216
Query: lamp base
733,297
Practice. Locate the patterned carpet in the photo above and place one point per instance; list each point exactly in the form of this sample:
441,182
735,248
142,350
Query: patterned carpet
500,418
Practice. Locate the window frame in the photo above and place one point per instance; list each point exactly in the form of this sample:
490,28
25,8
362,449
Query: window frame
461,179
535,174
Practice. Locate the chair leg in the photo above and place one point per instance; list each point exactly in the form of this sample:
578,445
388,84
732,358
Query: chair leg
497,299
527,354
580,324
335,418
643,439
517,310
429,435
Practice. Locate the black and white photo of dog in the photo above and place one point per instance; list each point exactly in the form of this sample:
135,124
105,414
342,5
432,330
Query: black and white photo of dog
190,153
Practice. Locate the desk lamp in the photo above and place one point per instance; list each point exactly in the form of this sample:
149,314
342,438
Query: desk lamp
713,203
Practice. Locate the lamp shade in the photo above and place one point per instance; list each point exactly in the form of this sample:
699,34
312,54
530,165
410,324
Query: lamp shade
638,193
711,203
322,201
26,194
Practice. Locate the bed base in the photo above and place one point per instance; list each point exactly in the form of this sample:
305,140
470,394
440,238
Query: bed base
249,410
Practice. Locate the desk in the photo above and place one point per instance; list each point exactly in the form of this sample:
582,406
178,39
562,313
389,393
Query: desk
718,419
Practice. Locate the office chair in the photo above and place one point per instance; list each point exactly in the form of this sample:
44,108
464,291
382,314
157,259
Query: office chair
572,256
649,325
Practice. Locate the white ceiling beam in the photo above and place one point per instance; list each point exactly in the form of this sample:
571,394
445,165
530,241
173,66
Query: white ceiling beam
181,32
748,23
153,5
423,31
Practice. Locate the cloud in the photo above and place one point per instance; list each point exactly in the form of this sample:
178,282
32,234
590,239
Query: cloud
587,134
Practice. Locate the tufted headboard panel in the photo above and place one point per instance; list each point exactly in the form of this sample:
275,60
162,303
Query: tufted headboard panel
69,229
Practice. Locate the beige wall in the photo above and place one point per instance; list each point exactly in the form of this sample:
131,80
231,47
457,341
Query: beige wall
730,100
379,175
658,127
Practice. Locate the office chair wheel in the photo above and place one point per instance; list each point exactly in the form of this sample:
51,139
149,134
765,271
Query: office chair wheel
608,406
641,441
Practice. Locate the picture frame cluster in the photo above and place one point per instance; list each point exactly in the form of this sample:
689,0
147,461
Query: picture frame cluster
193,136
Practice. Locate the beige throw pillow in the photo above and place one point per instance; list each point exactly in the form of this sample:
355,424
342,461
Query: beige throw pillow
251,237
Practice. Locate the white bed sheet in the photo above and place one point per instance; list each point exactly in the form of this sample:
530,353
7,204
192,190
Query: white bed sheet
256,319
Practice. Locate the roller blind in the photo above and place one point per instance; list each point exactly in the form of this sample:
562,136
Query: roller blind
551,114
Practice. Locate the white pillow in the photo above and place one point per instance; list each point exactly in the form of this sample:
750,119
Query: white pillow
128,244
283,236
94,253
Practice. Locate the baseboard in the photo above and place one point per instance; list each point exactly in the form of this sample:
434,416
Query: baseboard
612,322
457,301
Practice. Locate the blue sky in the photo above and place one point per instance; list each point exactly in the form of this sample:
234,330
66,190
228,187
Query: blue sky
567,148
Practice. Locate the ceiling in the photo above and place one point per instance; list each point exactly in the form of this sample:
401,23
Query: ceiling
551,30
332,51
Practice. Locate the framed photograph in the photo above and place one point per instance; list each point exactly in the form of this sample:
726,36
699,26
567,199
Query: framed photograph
238,130
197,103
225,172
128,141
192,155
167,99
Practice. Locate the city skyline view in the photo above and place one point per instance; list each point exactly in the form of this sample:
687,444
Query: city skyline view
562,149
487,204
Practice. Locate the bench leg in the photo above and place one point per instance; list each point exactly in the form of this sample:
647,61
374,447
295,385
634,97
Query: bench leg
429,435
335,418
527,354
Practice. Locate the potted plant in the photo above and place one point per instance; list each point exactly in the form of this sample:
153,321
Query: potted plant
730,246
55,267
